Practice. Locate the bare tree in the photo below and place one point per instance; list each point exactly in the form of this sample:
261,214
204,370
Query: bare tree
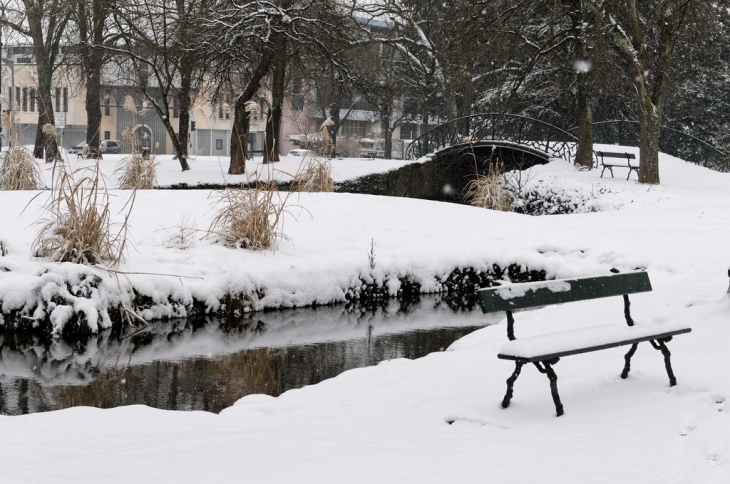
646,34
90,17
246,37
156,55
44,22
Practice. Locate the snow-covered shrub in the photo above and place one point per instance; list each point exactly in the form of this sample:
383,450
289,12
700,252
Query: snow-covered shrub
490,190
554,197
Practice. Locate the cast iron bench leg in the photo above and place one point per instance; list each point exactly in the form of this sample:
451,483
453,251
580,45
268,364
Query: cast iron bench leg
627,357
511,383
661,346
548,370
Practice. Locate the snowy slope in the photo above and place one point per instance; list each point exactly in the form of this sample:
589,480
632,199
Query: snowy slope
390,423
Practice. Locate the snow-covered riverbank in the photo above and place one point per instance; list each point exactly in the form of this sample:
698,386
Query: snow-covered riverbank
390,423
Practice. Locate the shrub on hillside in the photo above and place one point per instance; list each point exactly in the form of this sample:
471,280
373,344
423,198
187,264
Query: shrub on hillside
555,197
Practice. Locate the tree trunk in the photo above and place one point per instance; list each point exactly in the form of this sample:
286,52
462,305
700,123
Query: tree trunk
45,115
183,125
584,81
584,153
44,68
273,124
335,116
387,133
241,122
91,22
649,129
239,142
92,68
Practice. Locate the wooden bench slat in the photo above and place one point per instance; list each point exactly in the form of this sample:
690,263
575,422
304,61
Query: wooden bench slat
537,294
607,154
585,340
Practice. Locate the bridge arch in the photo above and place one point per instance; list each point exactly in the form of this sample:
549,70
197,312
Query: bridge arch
505,131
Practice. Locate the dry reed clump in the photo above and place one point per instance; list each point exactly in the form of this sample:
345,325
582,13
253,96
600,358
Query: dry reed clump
249,218
19,171
315,172
79,228
18,168
490,190
138,171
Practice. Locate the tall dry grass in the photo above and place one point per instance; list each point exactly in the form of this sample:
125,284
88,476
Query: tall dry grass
137,171
315,172
79,227
249,218
18,168
490,190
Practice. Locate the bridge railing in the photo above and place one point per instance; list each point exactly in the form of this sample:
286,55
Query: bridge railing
671,141
521,130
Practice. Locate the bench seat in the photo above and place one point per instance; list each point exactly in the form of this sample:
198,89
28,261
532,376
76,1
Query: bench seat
584,340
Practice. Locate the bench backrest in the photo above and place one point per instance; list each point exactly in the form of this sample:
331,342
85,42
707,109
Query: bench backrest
606,154
536,294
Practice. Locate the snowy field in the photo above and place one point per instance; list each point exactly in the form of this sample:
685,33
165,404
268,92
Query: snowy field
213,170
390,423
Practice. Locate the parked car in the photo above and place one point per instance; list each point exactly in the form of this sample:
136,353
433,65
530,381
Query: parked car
112,147
299,152
79,148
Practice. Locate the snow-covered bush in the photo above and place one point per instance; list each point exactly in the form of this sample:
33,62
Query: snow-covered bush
554,197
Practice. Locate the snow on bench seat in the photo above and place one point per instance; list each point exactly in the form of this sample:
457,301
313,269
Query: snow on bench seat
584,340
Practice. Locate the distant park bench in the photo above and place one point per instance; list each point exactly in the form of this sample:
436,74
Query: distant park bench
627,157
546,350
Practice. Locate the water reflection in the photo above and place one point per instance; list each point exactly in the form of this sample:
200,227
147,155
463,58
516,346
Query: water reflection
208,365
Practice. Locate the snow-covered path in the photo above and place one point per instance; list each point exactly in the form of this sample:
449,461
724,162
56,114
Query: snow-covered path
390,423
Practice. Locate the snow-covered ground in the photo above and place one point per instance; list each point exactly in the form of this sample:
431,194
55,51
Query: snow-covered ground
213,170
390,423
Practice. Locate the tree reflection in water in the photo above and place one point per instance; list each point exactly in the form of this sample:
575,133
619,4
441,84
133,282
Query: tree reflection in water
208,365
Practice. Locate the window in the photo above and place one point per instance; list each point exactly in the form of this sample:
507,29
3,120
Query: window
25,99
219,144
175,107
228,107
58,99
297,102
65,99
107,134
297,98
33,95
17,96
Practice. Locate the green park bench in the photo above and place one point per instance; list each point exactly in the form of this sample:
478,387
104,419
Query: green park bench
627,157
545,350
